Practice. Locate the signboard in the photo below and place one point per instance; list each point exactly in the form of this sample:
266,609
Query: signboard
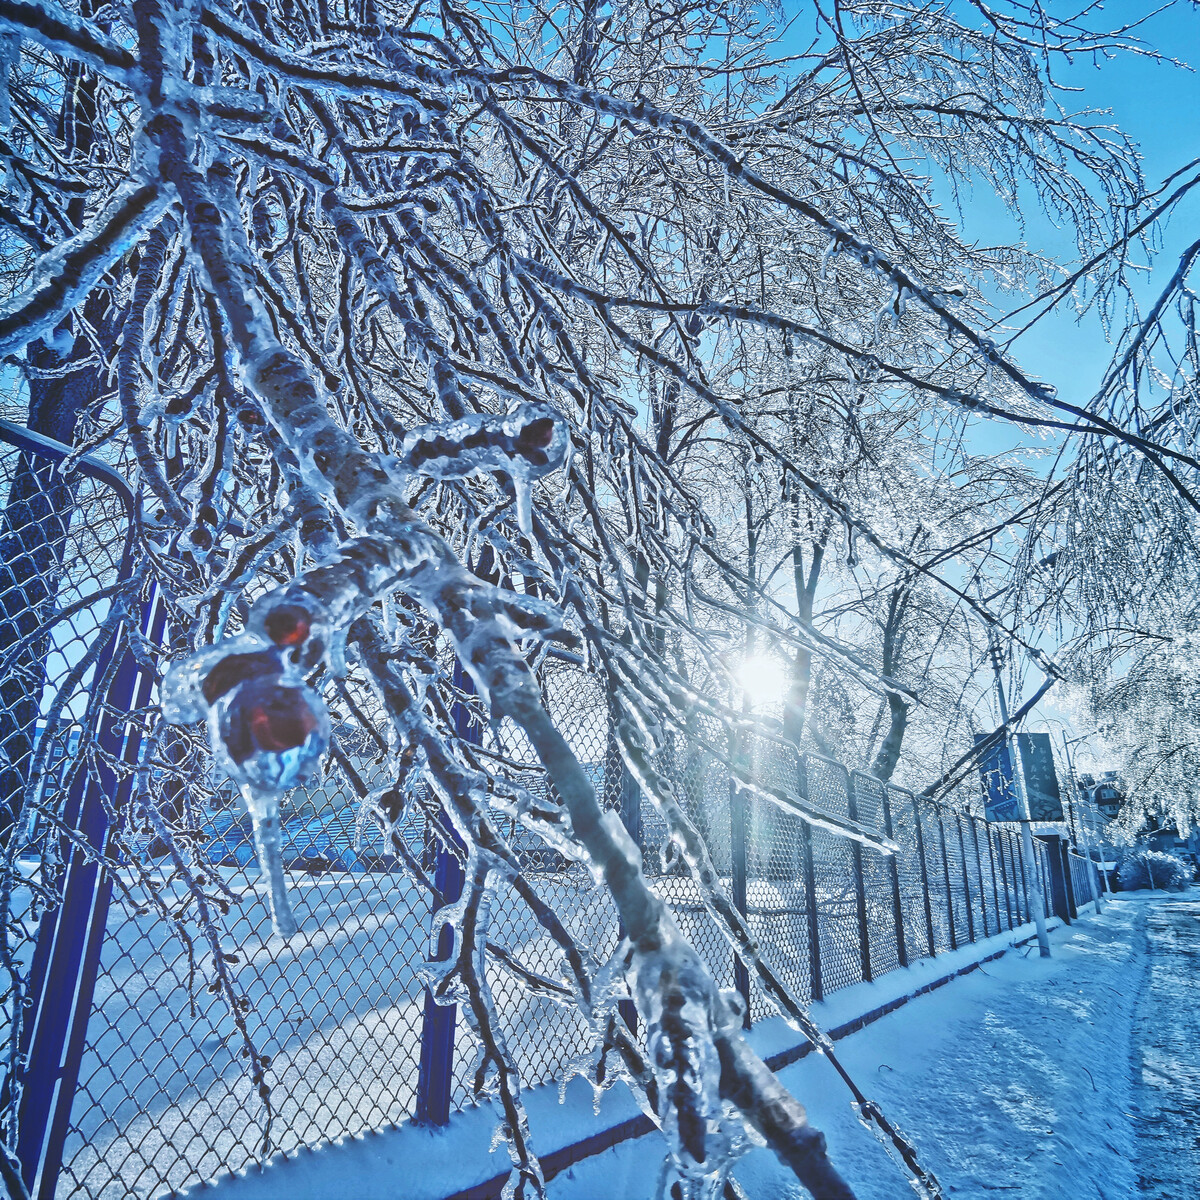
1041,782
996,774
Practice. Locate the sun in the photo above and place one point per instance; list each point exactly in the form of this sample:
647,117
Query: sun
764,678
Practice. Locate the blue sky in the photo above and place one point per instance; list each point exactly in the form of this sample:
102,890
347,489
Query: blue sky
1159,105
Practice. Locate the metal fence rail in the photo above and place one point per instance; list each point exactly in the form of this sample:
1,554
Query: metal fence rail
163,1098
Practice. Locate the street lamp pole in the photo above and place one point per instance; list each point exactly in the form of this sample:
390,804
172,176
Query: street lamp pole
1039,904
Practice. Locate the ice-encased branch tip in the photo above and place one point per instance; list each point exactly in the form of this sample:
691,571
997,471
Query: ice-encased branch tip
269,730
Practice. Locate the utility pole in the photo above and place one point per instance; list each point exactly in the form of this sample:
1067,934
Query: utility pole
1035,887
1099,836
1087,845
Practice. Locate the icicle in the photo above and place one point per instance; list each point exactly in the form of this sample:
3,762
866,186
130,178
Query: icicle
524,490
265,822
269,731
269,734
565,494
833,249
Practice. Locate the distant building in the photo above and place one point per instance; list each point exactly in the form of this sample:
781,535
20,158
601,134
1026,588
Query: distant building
1107,794
1104,791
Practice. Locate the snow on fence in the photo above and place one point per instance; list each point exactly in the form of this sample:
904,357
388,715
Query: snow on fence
133,1078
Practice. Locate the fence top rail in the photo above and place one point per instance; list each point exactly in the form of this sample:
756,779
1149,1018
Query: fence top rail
893,791
88,464
38,444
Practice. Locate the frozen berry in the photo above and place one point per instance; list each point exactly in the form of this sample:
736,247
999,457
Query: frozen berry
237,668
288,625
265,716
537,435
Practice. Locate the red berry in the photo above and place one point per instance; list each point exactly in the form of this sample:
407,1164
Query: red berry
537,435
237,668
281,727
267,716
288,625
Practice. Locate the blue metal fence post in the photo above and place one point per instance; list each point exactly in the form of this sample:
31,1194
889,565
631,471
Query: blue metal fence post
1027,909
946,878
924,879
962,850
816,985
81,931
993,837
894,877
63,970
973,823
737,872
860,890
435,1072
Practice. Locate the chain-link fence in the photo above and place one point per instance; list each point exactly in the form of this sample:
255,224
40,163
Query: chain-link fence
136,1081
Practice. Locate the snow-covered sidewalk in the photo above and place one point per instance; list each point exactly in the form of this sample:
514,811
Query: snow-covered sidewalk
1013,1079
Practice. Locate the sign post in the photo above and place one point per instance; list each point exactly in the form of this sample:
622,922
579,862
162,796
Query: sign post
1037,901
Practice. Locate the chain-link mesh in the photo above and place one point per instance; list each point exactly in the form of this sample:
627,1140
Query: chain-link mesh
1007,875
915,903
956,873
543,1035
1043,866
62,545
1085,880
64,586
933,838
701,783
975,859
836,882
778,855
878,877
996,880
164,1097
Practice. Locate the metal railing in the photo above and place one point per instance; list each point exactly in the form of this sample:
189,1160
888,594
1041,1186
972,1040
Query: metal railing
135,1081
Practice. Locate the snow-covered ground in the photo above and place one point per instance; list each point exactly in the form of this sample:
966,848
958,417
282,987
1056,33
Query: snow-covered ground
1166,1064
1014,1079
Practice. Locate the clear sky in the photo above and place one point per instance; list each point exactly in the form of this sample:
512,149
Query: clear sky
1158,104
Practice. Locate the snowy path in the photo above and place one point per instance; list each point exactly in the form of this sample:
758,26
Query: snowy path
1167,1056
1014,1080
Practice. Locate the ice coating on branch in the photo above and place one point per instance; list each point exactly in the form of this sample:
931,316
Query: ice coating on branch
527,443
674,995
187,693
269,731
270,735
